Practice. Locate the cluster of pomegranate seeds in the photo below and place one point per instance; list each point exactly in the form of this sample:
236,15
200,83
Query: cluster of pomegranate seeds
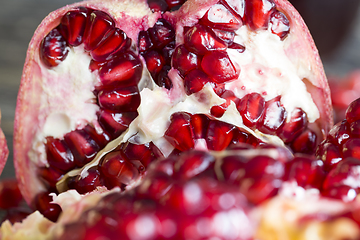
117,96
157,45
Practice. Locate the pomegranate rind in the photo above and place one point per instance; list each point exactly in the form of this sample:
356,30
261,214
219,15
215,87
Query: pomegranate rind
4,150
131,17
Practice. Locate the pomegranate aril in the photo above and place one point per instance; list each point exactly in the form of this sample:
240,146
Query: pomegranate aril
219,135
305,142
219,17
355,129
233,168
238,47
144,41
279,24
98,27
43,203
179,133
200,39
58,154
200,124
341,192
116,167
339,133
218,66
115,123
251,108
226,36
191,164
114,44
195,80
162,33
273,117
257,13
73,25
49,176
353,111
184,61
160,185
174,3
351,148
167,52
145,153
163,80
292,128
154,62
88,183
99,135
330,154
264,166
158,5
53,48
10,195
82,145
121,99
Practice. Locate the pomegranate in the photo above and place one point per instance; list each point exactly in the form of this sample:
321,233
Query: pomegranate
4,151
109,87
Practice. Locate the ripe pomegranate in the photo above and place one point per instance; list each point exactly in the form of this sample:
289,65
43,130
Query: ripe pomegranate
110,86
4,151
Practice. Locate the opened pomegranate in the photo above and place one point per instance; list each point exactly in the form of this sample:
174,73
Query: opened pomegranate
110,86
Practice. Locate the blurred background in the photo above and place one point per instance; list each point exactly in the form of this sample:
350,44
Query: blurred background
334,24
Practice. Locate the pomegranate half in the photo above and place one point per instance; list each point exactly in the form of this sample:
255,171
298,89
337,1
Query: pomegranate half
110,86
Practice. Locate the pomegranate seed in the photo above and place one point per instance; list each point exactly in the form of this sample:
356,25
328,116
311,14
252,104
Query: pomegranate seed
294,127
226,36
218,110
219,135
162,33
160,185
200,39
279,24
10,195
305,142
251,108
330,154
49,176
233,168
116,123
42,203
83,147
195,80
167,52
120,99
101,138
258,12
239,137
184,61
353,111
73,25
98,28
158,5
179,132
116,42
340,133
273,118
163,79
125,70
191,164
238,47
145,153
59,155
355,129
116,167
219,67
308,172
342,192
351,148
219,17
154,62
175,3
53,49
89,182
200,124
144,41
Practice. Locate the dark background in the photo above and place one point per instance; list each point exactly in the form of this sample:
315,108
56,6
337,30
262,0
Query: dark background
334,24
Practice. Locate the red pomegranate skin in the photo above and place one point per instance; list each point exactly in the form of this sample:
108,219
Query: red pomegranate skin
27,118
4,151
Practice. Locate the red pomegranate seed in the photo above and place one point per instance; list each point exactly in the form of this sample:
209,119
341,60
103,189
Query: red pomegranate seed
353,111
179,133
341,192
154,62
125,70
174,3
251,108
101,138
200,124
191,164
218,16
279,24
226,36
53,49
89,182
218,110
355,129
73,25
219,135
116,42
233,168
116,123
162,33
200,39
158,5
257,13
59,155
240,137
98,27
264,166
330,154
42,203
184,61
116,167
307,171
195,80
238,47
50,176
340,133
144,41
10,195
167,52
351,148
83,147
273,118
305,142
294,127
120,99
145,153
219,67
160,185
163,79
